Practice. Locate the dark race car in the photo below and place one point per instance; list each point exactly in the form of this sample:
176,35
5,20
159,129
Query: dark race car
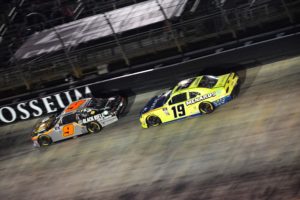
88,115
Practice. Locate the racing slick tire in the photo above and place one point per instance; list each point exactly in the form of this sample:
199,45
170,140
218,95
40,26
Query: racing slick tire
93,127
206,107
44,140
122,110
236,90
153,120
234,93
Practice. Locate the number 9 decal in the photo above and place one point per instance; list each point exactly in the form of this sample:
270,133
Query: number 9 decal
75,105
68,130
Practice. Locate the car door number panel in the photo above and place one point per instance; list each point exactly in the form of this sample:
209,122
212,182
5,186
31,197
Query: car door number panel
178,111
68,130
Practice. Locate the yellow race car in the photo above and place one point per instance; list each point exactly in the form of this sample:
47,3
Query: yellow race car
190,97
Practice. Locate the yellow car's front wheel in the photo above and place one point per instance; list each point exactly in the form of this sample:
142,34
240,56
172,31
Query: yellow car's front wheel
206,107
153,120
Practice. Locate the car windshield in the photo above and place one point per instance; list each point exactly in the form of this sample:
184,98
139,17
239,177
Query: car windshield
67,119
167,96
99,103
185,84
208,81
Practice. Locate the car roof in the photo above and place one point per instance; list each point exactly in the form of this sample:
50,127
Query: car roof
75,106
186,84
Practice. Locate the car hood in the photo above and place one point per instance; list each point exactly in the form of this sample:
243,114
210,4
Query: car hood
44,125
155,102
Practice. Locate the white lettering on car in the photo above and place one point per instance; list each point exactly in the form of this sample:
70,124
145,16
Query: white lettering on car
97,117
201,98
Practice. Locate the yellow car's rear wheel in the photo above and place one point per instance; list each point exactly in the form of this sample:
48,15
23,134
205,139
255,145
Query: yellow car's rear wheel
44,140
206,107
153,120
93,127
235,91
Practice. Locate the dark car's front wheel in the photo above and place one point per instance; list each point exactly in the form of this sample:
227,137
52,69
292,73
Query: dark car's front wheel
44,140
206,107
153,120
93,127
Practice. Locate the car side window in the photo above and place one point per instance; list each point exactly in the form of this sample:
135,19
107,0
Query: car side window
79,116
178,98
68,119
92,103
193,94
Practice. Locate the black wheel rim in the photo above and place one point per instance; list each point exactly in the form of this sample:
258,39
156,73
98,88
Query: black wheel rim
44,141
206,108
153,121
93,127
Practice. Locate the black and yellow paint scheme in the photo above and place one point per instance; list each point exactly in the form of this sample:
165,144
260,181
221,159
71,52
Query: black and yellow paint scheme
190,97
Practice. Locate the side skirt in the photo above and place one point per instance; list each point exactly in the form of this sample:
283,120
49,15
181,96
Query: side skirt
216,104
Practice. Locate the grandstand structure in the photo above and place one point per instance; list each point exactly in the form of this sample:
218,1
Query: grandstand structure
44,42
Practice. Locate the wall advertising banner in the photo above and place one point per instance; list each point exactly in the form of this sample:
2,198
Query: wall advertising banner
41,106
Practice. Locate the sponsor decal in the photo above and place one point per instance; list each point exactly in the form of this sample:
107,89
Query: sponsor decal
201,98
94,118
166,111
222,101
41,106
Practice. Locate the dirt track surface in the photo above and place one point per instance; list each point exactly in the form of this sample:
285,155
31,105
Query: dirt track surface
247,149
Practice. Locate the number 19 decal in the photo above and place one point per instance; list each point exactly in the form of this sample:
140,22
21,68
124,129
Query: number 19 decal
68,130
178,111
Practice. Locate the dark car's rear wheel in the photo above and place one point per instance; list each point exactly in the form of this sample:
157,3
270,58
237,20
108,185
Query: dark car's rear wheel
206,107
93,127
123,108
44,140
153,120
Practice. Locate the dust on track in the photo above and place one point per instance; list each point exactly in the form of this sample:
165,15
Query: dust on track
247,149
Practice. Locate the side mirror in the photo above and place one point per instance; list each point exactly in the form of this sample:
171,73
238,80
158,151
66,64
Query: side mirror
56,127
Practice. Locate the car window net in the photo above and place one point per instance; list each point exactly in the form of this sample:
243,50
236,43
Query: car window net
69,119
179,98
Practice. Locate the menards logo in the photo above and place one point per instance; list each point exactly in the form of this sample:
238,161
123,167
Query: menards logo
201,98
